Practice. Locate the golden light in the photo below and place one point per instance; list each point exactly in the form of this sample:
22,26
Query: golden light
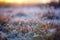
26,1
15,1
31,2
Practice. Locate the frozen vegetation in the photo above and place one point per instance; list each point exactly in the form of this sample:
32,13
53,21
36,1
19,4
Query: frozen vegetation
28,23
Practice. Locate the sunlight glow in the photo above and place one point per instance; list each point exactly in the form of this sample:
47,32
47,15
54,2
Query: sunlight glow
26,1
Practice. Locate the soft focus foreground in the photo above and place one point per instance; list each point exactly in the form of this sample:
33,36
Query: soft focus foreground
29,23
